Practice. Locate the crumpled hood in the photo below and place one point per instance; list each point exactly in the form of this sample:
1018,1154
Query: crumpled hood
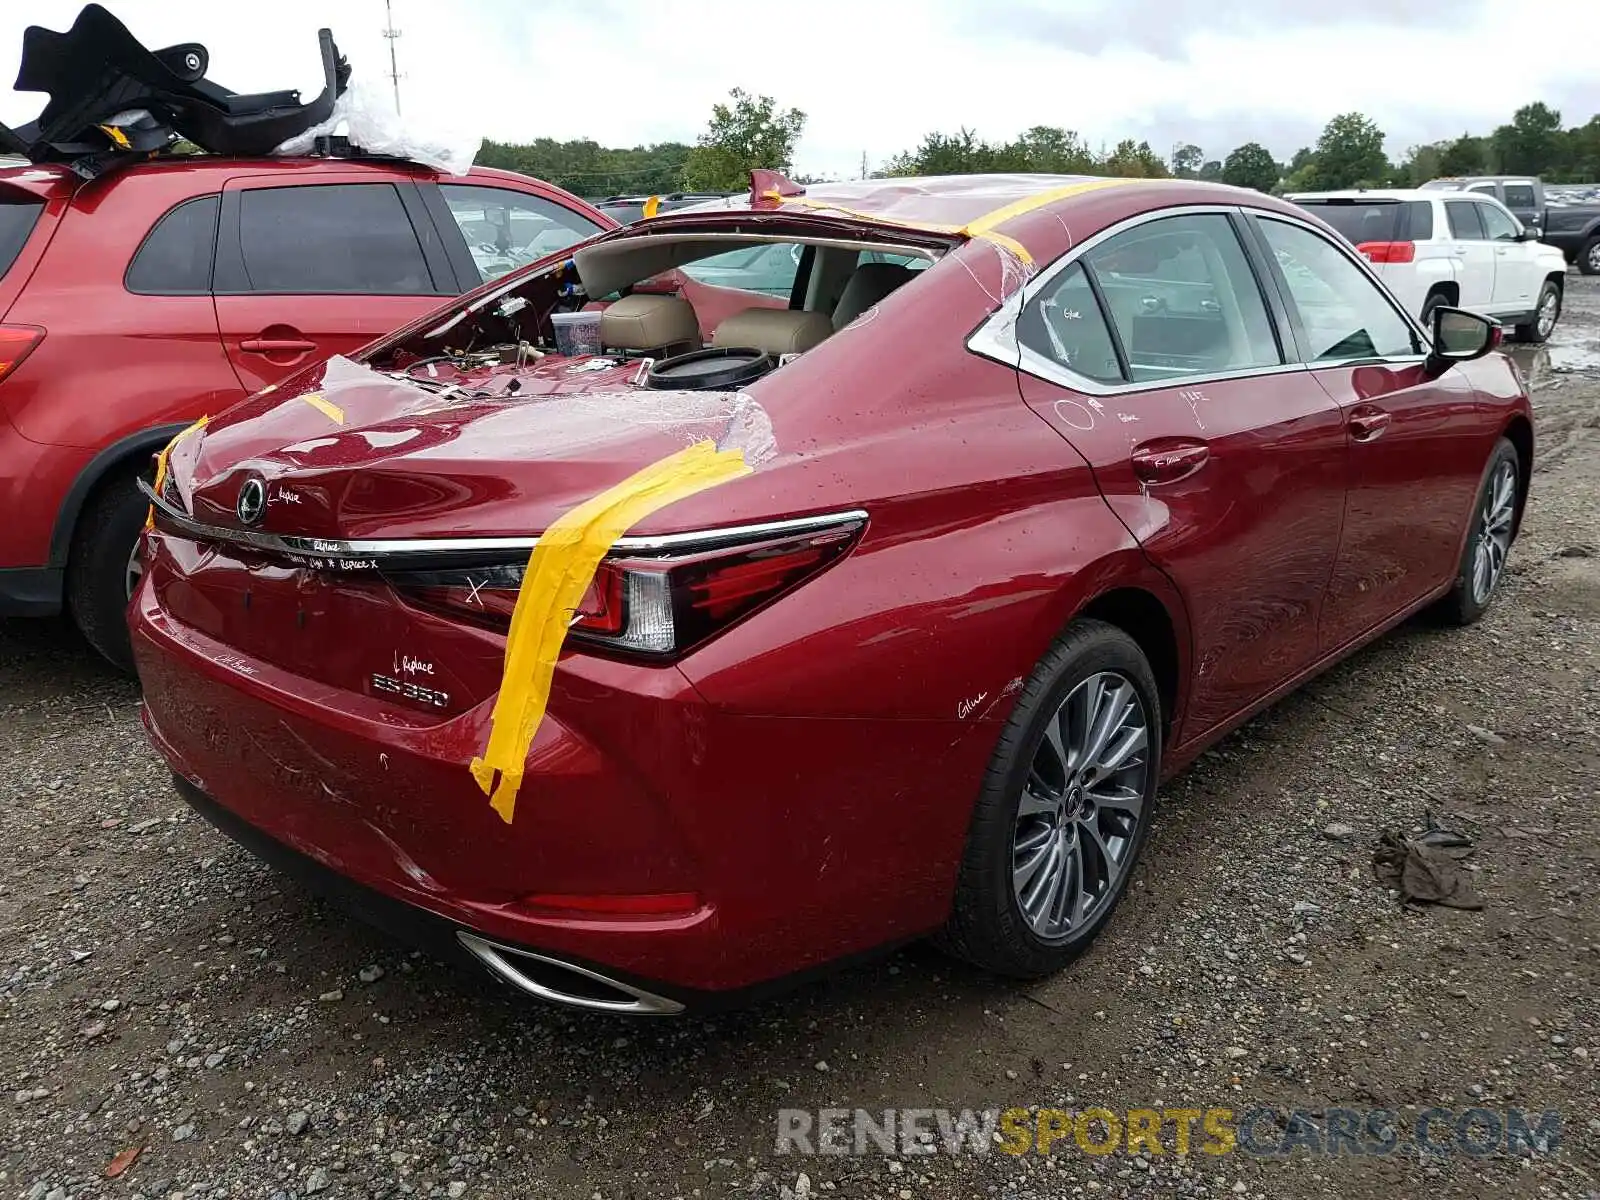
349,452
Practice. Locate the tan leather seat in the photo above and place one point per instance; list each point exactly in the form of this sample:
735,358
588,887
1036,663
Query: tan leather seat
647,324
775,330
868,283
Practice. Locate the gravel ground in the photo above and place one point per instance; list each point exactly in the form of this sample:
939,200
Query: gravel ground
163,992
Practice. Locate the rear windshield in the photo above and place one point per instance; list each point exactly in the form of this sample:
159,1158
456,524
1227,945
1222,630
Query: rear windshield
18,215
1376,220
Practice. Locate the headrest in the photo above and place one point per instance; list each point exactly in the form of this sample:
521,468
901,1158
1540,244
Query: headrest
649,323
869,283
775,330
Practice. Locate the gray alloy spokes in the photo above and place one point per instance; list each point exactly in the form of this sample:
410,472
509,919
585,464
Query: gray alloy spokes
1492,542
1080,809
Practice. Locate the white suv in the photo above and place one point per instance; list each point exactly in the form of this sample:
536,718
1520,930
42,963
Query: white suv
1433,248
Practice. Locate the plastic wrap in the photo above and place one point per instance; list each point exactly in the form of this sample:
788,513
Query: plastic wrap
365,116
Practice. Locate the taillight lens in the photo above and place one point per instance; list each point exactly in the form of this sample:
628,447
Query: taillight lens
1389,252
653,607
16,343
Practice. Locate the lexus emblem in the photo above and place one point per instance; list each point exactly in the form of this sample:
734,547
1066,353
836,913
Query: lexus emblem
252,502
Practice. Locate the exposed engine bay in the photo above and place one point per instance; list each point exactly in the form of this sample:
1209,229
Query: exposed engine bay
634,297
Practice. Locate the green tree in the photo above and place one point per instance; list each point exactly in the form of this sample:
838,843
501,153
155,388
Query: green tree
1134,160
1251,166
1051,151
747,134
1349,152
1211,171
1187,161
1532,143
590,169
1464,156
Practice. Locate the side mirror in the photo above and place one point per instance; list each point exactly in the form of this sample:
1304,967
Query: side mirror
1529,233
1460,336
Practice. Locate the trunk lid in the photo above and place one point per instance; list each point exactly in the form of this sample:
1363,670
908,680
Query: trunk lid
492,452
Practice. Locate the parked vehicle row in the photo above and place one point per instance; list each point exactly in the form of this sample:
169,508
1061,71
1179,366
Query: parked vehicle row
725,645
1443,247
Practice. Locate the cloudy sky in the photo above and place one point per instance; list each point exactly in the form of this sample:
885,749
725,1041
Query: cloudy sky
875,75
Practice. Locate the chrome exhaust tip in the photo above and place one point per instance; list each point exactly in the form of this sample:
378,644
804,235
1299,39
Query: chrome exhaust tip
565,983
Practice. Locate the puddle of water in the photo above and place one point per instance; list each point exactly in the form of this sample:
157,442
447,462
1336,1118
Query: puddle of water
1538,363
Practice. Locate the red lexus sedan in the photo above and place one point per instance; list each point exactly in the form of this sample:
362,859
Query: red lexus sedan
650,672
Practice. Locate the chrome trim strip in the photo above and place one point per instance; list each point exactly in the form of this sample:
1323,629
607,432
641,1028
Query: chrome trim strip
495,957
997,338
375,551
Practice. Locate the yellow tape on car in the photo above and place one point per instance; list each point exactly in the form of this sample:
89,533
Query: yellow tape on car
559,571
324,406
161,466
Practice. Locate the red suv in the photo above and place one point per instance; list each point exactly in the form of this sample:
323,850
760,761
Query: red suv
134,304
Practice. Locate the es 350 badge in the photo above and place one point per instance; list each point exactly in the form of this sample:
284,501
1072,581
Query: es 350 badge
406,690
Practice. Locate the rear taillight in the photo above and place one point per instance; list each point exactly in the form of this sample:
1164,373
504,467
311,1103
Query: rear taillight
1389,252
16,343
654,607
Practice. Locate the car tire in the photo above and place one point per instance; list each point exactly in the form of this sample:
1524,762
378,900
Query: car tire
990,924
99,569
1494,517
1589,257
1434,300
1536,331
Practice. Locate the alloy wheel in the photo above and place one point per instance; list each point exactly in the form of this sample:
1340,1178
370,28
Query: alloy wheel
1079,815
1594,258
1493,536
1549,311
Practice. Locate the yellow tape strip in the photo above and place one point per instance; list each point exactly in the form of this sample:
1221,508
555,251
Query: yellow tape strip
324,406
161,466
559,571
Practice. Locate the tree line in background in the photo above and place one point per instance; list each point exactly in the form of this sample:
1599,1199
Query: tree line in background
752,131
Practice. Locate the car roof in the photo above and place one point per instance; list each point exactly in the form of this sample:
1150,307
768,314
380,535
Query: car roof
952,201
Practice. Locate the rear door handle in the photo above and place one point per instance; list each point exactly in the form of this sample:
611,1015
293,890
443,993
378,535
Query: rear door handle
1168,462
1368,423
276,346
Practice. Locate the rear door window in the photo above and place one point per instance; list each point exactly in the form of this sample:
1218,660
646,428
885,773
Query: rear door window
1417,223
18,216
1465,223
505,229
331,239
1183,299
176,257
1482,187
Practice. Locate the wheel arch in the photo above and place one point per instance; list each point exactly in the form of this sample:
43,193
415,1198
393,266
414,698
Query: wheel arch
1519,432
1448,288
107,461
1149,610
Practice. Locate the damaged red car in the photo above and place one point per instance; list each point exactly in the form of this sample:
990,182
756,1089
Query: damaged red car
652,657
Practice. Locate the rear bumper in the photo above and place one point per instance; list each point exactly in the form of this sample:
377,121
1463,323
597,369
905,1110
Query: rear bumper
635,788
30,591
569,981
